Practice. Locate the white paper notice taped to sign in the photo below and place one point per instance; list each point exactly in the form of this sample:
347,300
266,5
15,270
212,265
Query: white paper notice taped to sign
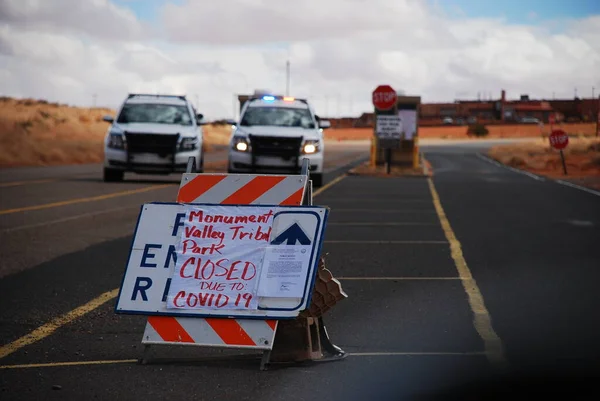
284,269
388,127
409,123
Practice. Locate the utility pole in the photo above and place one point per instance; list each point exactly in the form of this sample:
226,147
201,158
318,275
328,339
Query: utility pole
598,118
287,78
94,96
234,103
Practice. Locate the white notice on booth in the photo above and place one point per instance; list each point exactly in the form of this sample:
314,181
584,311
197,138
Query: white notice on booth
285,268
388,126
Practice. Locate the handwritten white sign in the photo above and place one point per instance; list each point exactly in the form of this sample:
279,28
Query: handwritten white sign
219,257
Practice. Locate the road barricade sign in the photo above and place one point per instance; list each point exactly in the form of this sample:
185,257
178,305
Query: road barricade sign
206,260
234,256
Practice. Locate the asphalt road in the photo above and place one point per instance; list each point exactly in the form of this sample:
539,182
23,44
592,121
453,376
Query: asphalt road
514,312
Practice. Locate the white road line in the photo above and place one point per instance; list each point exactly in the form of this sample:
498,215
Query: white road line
399,278
384,242
377,200
515,170
66,219
383,224
416,353
342,210
570,184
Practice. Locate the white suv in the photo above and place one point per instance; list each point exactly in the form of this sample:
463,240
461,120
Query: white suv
152,134
274,134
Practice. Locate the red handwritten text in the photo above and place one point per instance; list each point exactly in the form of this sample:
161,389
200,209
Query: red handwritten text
260,235
205,232
190,246
192,300
200,217
198,269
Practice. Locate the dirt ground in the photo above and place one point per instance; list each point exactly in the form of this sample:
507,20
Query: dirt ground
582,159
460,132
38,133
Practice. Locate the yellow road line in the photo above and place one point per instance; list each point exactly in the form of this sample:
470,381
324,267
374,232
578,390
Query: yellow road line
482,319
18,183
132,361
59,364
50,327
329,185
71,218
81,200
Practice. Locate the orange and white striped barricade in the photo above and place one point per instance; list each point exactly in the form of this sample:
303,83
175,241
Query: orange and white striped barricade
251,332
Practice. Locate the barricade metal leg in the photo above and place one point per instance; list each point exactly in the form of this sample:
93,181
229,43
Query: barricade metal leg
333,351
265,360
191,165
146,355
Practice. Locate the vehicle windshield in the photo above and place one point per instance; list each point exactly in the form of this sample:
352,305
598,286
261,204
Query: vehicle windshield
154,114
277,117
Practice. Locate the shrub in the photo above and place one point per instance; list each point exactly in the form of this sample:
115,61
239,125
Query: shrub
478,130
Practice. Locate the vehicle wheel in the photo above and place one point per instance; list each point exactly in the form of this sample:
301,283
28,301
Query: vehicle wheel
317,179
113,175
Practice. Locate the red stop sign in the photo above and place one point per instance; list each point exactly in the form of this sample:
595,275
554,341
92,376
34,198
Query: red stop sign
559,139
384,97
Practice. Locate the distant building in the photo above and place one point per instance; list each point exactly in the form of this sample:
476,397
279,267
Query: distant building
500,111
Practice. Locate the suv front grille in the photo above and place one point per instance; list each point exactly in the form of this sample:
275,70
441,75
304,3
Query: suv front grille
160,144
286,147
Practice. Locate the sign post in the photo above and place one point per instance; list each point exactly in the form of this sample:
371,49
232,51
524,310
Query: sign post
559,140
598,119
388,126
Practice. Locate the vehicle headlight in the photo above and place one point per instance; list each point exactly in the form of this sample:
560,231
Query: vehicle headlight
116,140
188,144
311,146
240,144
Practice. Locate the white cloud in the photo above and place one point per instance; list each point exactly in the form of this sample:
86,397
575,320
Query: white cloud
98,18
339,51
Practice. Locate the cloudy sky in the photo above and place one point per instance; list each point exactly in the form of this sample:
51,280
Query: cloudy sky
86,52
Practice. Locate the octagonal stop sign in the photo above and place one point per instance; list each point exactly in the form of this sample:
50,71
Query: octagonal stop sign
384,97
559,139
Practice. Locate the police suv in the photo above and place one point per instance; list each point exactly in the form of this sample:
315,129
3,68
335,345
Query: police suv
152,134
274,134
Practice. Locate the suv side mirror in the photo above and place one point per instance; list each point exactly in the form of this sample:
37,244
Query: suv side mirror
108,119
199,118
324,124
